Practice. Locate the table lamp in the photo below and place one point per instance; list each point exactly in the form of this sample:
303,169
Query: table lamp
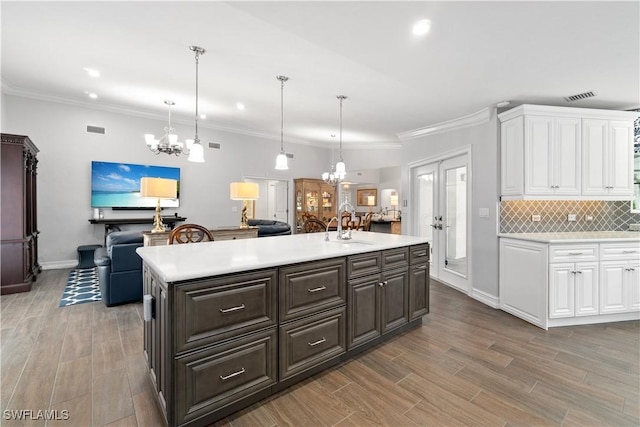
371,202
394,203
244,191
160,188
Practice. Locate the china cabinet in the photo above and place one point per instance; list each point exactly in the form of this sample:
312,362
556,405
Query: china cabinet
314,197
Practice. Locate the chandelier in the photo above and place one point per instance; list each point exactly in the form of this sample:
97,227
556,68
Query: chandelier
330,177
336,177
168,143
281,159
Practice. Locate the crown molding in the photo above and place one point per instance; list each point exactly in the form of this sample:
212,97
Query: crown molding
474,119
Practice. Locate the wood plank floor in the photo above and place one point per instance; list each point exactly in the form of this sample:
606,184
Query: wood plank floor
467,365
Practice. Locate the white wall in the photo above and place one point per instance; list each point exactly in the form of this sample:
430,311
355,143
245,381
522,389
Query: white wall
483,139
64,169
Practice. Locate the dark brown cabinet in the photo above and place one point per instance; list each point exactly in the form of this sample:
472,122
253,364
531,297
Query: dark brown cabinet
378,295
219,344
19,216
418,281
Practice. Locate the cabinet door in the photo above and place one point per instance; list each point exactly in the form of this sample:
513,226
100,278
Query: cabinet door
594,157
587,289
538,155
566,157
363,312
512,156
633,276
418,290
561,290
613,298
620,179
393,300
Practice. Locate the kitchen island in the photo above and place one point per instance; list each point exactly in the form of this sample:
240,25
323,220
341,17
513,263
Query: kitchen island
233,322
570,278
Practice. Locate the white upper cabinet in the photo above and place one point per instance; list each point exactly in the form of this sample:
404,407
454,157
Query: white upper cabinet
552,153
566,153
608,158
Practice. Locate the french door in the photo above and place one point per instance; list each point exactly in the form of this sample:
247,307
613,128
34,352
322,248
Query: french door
442,196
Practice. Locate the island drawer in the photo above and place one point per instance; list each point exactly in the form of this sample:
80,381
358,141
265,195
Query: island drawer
364,264
395,258
219,375
310,287
619,251
418,254
208,311
311,341
573,253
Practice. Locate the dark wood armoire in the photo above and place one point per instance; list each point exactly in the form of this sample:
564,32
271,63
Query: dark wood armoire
18,216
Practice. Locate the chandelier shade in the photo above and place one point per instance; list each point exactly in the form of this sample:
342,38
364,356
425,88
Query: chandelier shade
167,143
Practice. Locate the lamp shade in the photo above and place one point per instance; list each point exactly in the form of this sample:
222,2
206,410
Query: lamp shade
244,191
371,200
281,162
160,188
394,200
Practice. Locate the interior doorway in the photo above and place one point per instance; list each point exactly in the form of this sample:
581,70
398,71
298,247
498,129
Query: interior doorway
441,191
273,202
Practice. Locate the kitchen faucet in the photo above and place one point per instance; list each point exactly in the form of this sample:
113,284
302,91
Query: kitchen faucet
343,206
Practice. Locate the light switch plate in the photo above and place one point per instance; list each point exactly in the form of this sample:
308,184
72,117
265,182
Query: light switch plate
535,218
483,212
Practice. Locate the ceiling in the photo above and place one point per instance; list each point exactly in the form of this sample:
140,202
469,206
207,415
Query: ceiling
475,55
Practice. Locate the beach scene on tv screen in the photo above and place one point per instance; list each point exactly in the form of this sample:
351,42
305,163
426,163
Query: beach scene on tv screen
117,185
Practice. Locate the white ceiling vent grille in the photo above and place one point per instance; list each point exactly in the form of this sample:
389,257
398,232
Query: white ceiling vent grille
289,155
96,129
580,96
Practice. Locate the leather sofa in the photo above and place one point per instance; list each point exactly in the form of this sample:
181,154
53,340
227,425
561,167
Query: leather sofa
269,227
120,268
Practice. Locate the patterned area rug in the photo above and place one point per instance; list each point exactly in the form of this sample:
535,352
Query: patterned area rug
82,286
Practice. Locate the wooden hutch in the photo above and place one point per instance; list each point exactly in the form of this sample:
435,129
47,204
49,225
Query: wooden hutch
19,231
314,197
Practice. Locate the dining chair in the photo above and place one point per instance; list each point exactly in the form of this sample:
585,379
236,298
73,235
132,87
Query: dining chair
189,233
314,225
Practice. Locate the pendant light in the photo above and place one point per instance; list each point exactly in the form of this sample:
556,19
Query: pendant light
341,170
330,177
196,152
281,160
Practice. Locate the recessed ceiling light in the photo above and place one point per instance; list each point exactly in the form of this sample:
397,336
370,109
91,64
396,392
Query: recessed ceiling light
239,105
421,27
92,72
93,95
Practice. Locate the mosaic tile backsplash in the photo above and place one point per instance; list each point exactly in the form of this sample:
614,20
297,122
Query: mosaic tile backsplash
515,216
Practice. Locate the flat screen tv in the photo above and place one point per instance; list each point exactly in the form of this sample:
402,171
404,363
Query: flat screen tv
117,185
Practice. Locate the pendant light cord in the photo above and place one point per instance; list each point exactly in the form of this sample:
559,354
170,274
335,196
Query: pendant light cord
197,61
282,80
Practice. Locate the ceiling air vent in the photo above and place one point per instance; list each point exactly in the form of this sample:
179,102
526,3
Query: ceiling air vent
214,145
580,96
289,155
96,129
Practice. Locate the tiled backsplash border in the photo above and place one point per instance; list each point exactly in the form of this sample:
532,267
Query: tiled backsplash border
515,216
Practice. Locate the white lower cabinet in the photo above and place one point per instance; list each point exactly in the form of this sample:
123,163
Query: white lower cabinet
567,284
620,286
573,289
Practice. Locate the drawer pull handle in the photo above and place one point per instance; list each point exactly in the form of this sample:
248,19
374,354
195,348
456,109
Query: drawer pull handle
629,252
235,374
320,341
232,309
575,253
630,269
422,267
421,253
321,288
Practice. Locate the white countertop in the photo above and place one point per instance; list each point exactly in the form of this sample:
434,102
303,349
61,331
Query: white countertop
175,263
577,237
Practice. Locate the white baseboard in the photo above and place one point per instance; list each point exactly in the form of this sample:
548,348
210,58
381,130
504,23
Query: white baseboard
485,298
58,265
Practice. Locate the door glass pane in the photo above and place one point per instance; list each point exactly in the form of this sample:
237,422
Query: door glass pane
456,220
425,189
